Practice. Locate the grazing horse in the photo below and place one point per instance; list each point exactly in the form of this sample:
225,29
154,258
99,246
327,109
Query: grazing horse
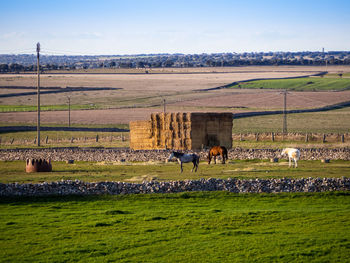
185,158
293,154
215,151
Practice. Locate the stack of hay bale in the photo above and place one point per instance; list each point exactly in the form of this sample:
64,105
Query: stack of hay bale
182,131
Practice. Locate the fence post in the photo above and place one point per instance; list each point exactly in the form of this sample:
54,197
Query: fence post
306,137
342,138
47,139
324,138
273,136
97,138
257,136
12,140
240,137
71,140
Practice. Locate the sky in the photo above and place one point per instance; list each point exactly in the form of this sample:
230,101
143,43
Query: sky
121,27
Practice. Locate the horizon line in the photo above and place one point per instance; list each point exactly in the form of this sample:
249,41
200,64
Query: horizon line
176,53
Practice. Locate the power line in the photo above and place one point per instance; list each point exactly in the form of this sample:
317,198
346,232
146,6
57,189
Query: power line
31,51
67,52
15,52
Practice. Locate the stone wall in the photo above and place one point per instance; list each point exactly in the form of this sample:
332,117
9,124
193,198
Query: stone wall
99,155
181,131
231,185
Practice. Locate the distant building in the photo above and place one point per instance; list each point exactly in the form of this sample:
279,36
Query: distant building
182,131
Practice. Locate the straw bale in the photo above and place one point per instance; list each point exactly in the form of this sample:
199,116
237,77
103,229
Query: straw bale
182,131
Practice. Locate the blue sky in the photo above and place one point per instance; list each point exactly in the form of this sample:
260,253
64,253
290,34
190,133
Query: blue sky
154,26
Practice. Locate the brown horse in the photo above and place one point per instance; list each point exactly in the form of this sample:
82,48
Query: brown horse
215,151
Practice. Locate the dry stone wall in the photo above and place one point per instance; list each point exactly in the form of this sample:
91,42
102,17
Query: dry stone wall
118,154
231,185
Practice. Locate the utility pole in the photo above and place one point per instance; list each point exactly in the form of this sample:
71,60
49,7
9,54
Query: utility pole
68,111
38,100
285,112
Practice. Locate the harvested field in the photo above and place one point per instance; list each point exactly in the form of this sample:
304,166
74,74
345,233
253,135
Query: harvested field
227,103
140,94
268,99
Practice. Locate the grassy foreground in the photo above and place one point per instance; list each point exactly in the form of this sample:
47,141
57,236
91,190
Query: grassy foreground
186,227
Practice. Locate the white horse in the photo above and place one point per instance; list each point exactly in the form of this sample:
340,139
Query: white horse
293,154
185,158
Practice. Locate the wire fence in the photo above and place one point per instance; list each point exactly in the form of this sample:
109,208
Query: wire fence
122,139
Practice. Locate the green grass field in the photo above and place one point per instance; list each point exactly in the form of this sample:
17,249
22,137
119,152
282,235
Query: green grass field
334,121
64,139
14,171
185,227
298,84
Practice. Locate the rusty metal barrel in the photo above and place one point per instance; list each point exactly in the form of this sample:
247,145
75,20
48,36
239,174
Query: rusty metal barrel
38,165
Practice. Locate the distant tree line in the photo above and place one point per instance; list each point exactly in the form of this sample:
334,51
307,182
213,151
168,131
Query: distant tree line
23,63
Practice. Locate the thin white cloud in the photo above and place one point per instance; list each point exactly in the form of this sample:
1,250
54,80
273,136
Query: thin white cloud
12,35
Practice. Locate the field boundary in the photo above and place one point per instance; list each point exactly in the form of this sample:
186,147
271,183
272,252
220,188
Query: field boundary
127,155
6,129
123,136
232,185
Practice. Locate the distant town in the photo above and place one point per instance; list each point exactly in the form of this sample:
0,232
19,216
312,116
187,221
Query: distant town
10,63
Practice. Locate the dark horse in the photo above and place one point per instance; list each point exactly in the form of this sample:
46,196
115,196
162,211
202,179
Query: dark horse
186,158
215,151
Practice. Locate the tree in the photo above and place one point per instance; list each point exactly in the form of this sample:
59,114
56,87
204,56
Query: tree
168,63
140,64
4,68
14,67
